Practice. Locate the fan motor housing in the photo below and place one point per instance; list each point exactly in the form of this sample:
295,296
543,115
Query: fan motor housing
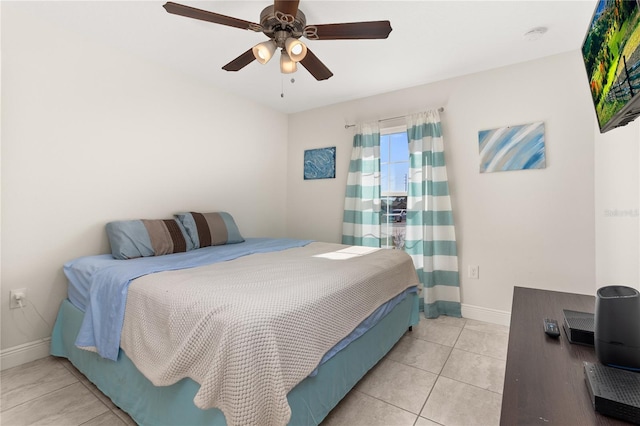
273,22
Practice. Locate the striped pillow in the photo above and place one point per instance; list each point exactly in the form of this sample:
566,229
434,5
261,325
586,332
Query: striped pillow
130,239
210,229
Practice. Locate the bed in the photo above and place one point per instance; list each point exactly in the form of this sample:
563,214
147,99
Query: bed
262,331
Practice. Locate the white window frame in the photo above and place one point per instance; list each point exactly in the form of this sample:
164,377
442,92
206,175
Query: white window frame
387,227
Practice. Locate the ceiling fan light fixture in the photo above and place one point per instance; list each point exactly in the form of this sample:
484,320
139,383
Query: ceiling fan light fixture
287,66
283,23
264,51
295,49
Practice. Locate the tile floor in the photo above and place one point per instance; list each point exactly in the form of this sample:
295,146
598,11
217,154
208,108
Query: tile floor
447,371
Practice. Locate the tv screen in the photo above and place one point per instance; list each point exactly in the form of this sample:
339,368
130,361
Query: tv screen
611,53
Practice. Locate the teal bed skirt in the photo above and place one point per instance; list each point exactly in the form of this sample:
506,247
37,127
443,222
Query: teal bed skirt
310,401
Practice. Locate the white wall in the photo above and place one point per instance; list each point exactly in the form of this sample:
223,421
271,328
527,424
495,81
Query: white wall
617,198
90,134
530,228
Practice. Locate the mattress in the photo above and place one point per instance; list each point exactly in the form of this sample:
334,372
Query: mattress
80,273
191,287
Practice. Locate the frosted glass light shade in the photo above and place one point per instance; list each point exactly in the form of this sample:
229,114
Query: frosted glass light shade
264,51
296,49
287,66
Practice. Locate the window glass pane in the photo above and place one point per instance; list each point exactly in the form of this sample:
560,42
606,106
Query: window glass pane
399,147
384,178
386,225
384,205
384,149
386,236
393,221
398,178
394,164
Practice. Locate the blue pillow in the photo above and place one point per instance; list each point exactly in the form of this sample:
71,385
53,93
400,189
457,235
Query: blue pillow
130,239
210,229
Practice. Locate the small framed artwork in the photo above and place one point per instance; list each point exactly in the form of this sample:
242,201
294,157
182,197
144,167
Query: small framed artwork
320,163
512,148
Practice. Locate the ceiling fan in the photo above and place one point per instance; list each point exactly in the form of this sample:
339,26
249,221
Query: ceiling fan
283,23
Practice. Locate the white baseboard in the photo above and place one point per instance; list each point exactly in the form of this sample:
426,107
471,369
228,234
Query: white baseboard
487,315
21,354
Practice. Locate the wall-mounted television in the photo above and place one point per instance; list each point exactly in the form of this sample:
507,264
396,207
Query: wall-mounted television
611,53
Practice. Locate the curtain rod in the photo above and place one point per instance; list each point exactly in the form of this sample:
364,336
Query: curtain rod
346,126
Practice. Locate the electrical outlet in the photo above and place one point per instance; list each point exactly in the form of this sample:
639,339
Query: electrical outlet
19,294
474,272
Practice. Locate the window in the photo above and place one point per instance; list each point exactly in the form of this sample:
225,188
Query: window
394,183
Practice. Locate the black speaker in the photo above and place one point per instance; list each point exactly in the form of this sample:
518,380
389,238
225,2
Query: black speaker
617,327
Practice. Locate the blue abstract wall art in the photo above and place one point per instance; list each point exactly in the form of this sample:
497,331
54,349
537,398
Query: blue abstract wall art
320,163
512,148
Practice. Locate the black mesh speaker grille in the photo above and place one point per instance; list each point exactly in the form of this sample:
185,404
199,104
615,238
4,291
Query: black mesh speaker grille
581,323
579,320
614,392
617,291
616,384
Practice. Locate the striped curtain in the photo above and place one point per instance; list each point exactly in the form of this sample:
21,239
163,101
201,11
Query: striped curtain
361,222
430,234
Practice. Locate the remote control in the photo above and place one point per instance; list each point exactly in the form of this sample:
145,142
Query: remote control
551,327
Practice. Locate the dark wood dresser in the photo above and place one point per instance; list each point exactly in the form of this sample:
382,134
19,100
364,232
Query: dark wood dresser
544,380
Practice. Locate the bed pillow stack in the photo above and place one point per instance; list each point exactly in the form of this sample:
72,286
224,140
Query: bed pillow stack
130,239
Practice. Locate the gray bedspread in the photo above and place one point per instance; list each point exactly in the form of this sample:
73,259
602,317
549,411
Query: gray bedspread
250,329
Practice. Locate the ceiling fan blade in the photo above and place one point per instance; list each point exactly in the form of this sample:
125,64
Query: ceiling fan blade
315,66
286,7
349,31
240,62
216,18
